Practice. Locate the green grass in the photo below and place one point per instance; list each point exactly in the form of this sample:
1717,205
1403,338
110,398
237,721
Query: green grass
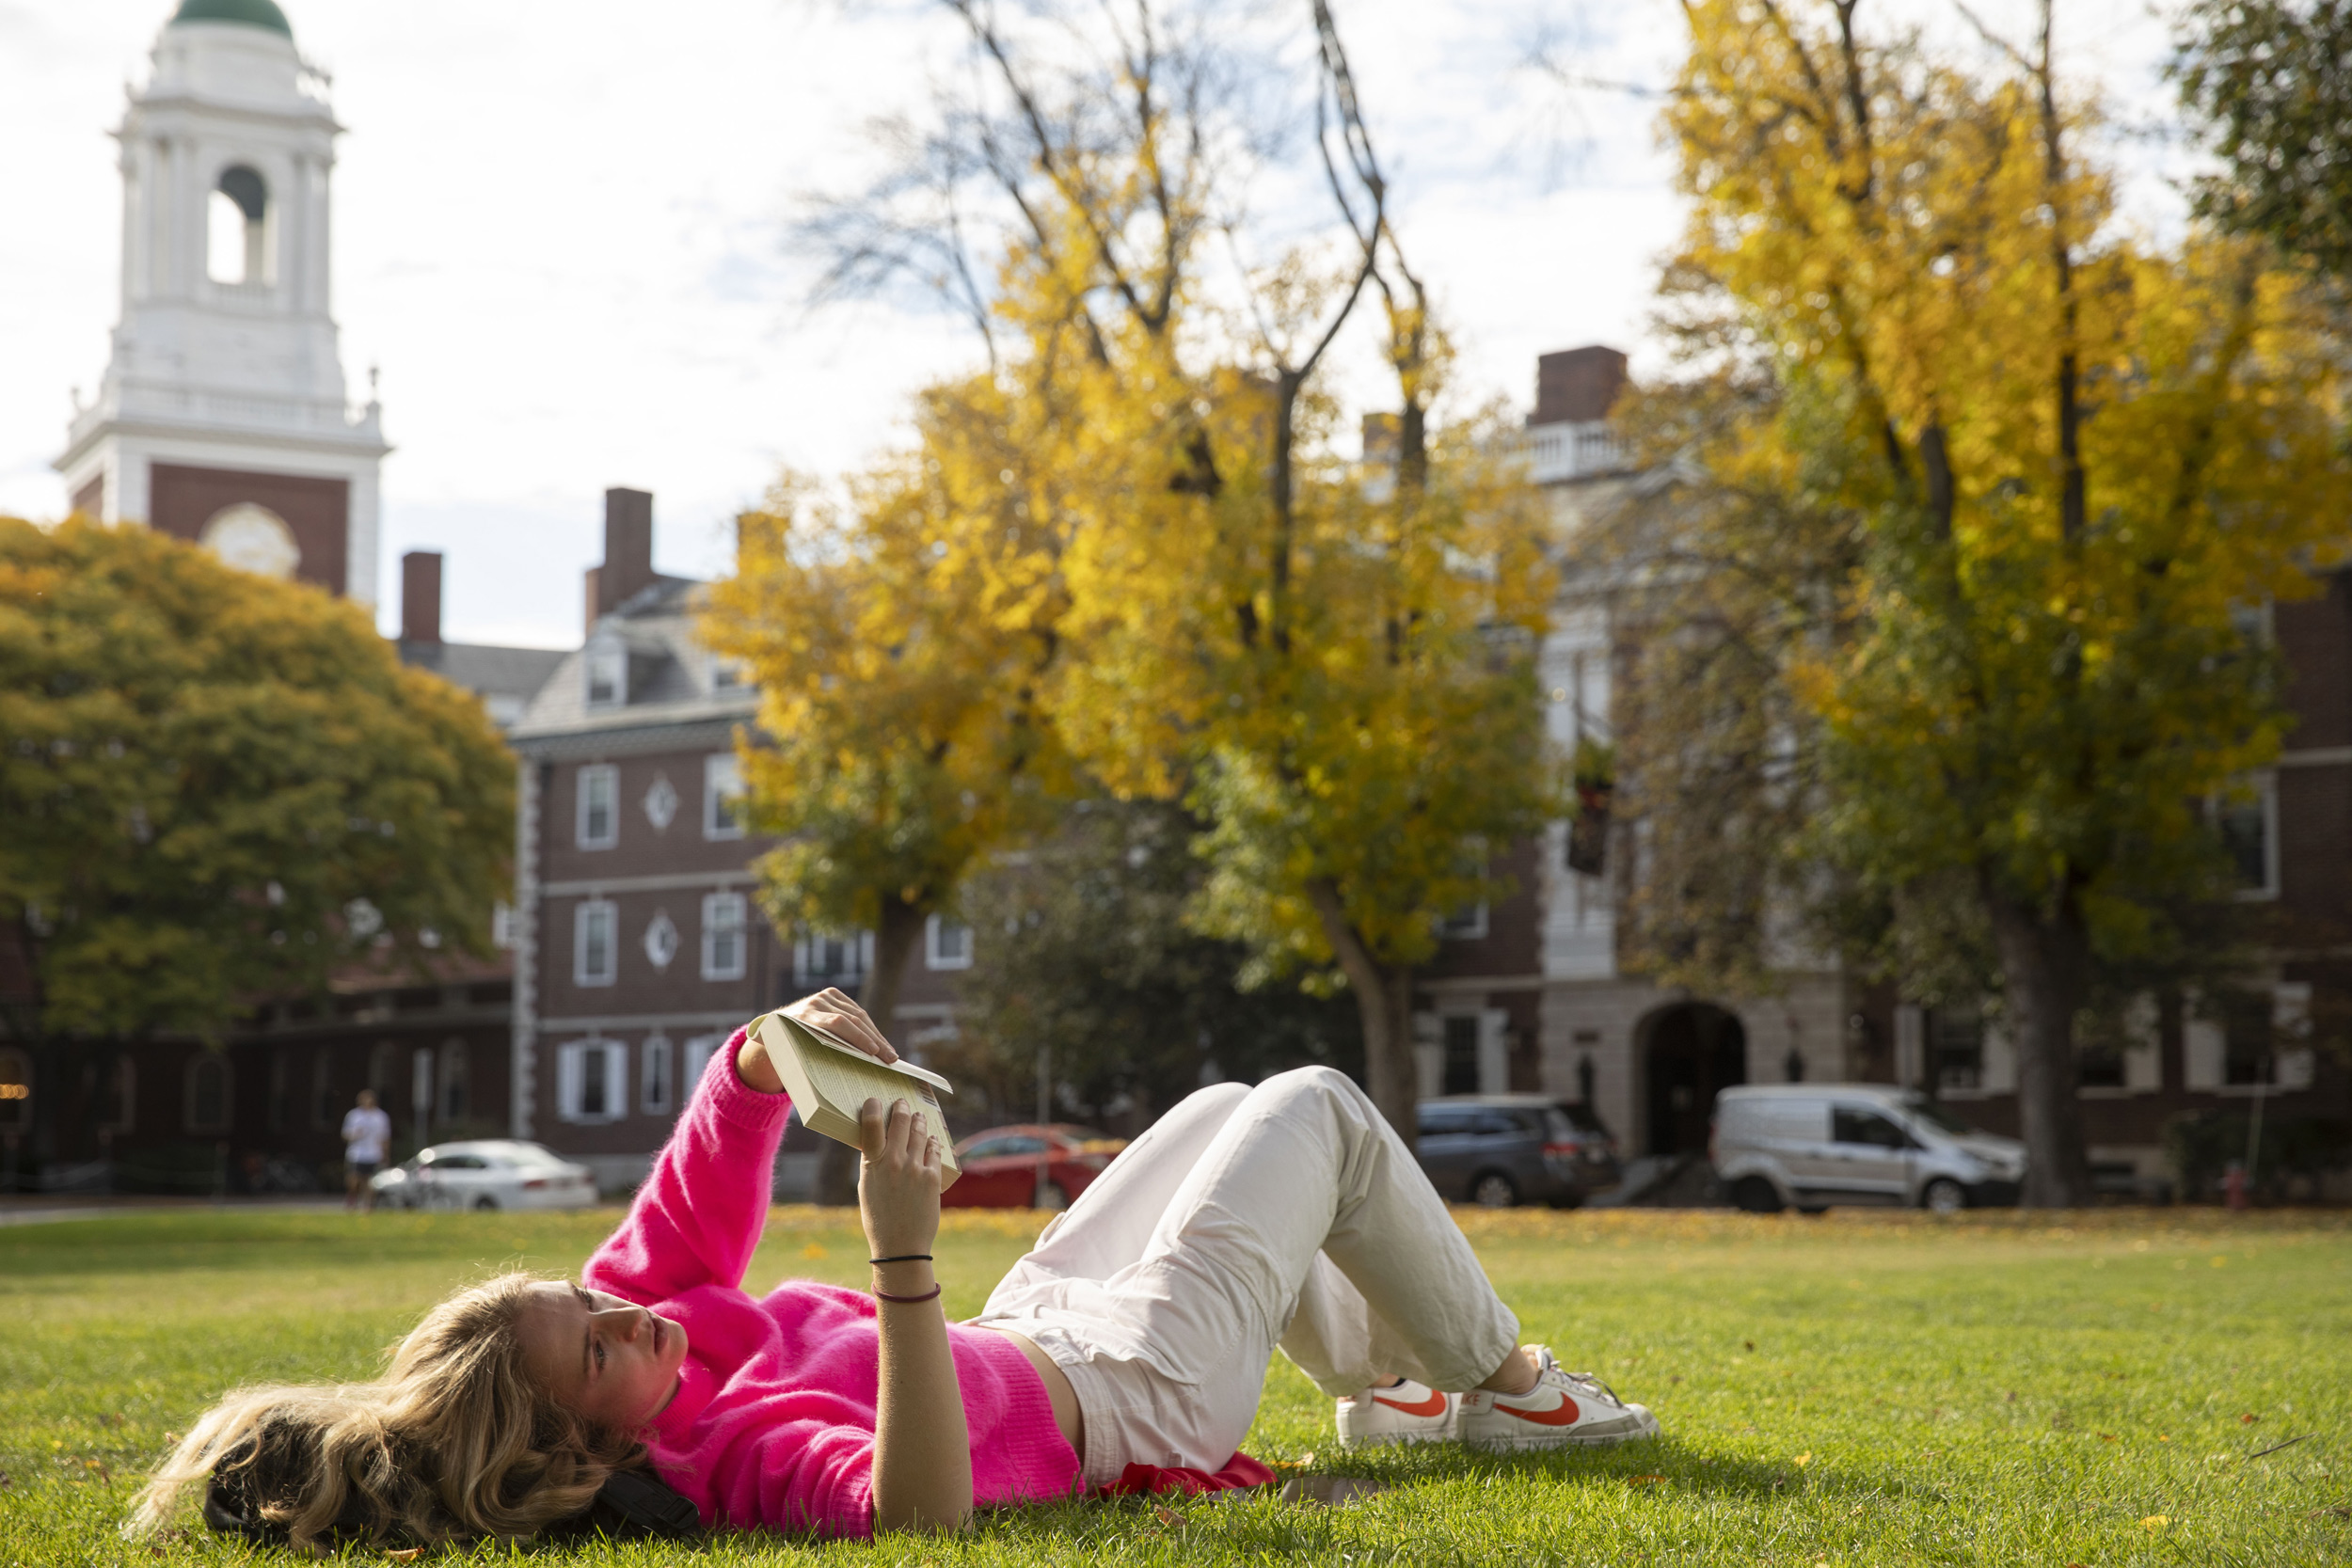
1875,1389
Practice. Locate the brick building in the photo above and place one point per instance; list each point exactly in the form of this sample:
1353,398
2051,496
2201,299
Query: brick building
639,945
1531,995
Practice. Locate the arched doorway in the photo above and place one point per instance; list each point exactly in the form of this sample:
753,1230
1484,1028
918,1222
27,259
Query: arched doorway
1692,1050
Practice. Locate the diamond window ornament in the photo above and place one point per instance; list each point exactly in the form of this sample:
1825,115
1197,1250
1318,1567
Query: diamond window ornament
661,803
661,940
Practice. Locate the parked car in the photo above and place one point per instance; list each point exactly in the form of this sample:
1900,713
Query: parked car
487,1173
1812,1145
1000,1166
1499,1150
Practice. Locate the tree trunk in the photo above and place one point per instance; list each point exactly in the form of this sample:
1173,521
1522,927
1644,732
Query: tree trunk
1384,1003
900,928
2046,961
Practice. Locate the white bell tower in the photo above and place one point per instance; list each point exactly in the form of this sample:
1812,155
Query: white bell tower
223,417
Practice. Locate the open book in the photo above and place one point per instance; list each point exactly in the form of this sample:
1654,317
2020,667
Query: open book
829,1081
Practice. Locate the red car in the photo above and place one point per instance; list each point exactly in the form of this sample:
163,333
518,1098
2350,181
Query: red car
1000,1166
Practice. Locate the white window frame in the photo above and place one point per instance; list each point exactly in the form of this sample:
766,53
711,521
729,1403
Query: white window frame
693,1059
127,1101
1465,924
805,971
726,914
583,914
935,955
589,776
657,1084
571,1082
604,660
228,1118
2265,787
723,785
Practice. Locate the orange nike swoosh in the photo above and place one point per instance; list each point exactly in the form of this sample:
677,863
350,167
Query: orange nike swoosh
1563,1413
1433,1405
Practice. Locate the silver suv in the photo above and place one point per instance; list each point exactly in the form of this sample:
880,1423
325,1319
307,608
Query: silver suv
1815,1145
1499,1150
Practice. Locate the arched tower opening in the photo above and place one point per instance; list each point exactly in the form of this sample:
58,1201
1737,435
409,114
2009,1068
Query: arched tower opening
238,248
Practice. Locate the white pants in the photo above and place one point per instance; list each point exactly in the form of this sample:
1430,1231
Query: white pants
1285,1216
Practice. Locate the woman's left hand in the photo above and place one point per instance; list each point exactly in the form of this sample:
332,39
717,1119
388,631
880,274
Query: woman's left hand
898,1187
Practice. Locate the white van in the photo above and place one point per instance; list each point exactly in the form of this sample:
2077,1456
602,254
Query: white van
1815,1145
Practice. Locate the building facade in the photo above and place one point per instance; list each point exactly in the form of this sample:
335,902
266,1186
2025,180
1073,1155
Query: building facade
1532,994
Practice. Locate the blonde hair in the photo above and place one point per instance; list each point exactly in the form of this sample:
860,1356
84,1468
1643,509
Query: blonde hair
455,1441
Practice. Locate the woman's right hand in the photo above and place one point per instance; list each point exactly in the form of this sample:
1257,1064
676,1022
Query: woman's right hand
898,1187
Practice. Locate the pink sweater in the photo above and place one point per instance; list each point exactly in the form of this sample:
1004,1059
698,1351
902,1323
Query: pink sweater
773,1421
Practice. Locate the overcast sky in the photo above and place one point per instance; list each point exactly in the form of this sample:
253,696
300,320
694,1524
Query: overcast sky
558,232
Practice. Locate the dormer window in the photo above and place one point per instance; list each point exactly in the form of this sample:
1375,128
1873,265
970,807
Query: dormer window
608,673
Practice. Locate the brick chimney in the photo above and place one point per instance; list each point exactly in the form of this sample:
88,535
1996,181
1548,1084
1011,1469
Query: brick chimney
1577,386
421,596
628,551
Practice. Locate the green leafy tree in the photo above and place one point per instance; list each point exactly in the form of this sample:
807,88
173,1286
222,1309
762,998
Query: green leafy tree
1090,958
2270,81
219,787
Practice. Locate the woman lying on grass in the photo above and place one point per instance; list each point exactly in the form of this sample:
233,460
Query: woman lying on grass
1137,1331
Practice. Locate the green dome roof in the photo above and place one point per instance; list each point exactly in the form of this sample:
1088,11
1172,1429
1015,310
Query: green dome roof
253,13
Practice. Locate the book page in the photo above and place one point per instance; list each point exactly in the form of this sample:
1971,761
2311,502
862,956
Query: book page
830,1082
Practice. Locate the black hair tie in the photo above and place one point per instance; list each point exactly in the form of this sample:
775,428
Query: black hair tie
903,1258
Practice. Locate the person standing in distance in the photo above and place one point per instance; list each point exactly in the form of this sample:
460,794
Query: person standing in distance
367,1134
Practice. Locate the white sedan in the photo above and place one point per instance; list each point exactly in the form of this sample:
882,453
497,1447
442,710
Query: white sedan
487,1173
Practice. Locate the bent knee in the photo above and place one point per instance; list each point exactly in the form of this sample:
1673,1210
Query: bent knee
1223,1097
1312,1083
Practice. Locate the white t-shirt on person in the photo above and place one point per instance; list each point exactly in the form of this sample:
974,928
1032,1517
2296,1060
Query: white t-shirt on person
366,1131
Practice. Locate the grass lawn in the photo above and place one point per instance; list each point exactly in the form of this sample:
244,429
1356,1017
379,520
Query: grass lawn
1873,1389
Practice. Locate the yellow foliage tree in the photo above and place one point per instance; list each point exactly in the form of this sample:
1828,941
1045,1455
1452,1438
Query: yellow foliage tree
1334,668
2079,461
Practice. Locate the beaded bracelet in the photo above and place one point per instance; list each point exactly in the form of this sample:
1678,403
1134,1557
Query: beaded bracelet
903,1258
931,1295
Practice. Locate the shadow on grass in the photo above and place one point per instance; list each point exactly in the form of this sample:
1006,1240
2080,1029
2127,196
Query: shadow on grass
1259,1517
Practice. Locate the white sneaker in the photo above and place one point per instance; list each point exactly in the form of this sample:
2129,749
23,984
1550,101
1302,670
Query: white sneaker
1563,1409
1408,1413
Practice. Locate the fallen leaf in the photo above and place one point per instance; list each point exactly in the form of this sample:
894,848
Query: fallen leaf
2156,1522
1644,1480
2106,1437
814,1249
2162,1438
1805,1458
2248,1420
1750,1343
405,1554
1168,1516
